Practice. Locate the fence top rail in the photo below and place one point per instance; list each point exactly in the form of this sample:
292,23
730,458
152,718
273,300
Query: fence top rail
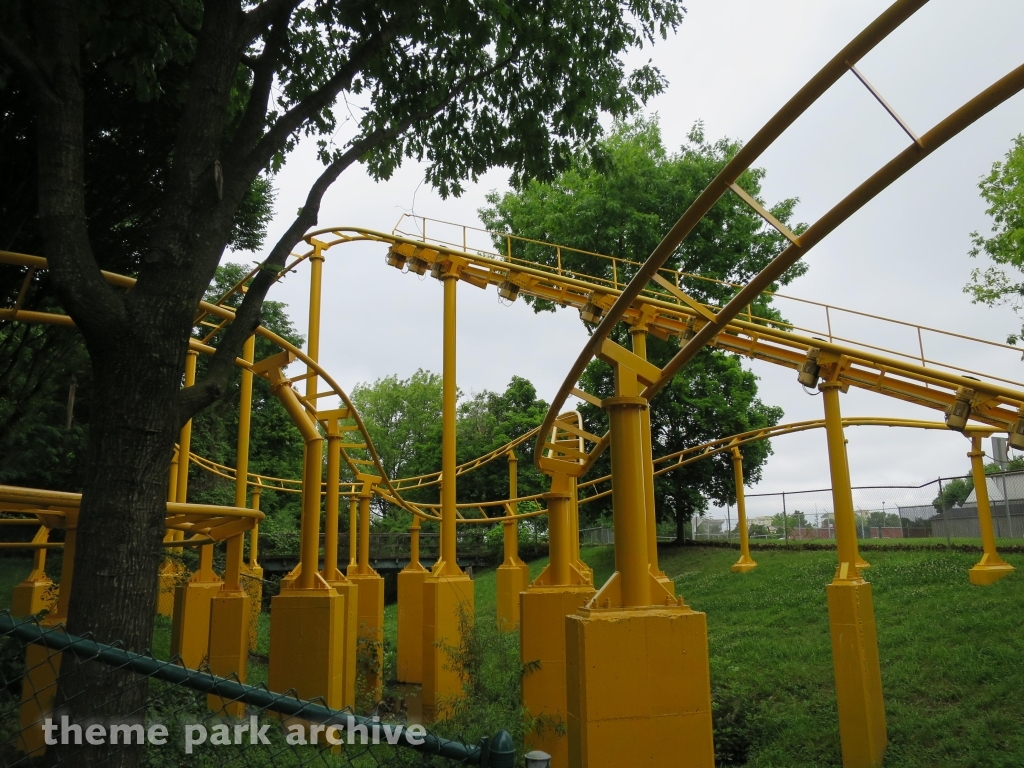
56,638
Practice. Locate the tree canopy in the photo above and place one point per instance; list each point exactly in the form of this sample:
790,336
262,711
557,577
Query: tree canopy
619,199
999,283
182,107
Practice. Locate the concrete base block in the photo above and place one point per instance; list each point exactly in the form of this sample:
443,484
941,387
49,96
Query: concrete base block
542,639
229,644
190,627
172,573
862,730
350,639
446,599
307,644
410,625
639,688
33,596
38,691
511,580
370,653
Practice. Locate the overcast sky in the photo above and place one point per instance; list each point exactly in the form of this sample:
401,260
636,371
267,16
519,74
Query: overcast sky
732,64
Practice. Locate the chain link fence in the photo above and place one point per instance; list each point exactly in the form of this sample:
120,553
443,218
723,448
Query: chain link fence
942,508
121,708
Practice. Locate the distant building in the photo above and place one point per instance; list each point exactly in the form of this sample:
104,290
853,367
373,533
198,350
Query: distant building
1006,500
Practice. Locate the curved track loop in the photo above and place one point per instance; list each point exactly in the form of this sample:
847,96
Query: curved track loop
844,61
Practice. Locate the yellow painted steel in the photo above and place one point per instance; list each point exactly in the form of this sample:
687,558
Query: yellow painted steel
410,612
39,684
370,601
190,624
619,689
448,606
638,335
858,675
746,563
36,592
254,581
513,575
560,590
991,568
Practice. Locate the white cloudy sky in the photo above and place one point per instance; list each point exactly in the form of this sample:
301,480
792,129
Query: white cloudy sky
732,64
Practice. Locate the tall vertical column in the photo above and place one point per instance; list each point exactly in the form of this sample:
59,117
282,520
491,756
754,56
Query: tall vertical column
353,534
231,609
190,627
638,337
745,563
39,682
370,601
308,646
410,612
513,574
447,591
559,591
991,568
31,596
256,574
862,730
331,420
171,569
621,691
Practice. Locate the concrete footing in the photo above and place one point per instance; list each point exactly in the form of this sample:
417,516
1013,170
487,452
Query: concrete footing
410,625
511,580
639,688
308,644
542,642
446,601
190,628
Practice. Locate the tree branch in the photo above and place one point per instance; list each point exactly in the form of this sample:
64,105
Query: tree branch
25,65
193,399
263,68
293,119
264,14
180,18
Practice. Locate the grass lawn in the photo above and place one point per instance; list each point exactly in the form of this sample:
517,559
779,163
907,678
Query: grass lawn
952,654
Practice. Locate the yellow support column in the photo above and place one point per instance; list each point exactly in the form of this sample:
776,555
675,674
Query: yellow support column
637,672
513,575
35,594
370,585
39,684
851,614
254,585
447,591
745,563
991,568
307,619
353,535
171,570
190,627
559,591
574,520
638,337
231,609
410,612
331,573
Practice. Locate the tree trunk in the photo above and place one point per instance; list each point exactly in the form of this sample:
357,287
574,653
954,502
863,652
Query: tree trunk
121,525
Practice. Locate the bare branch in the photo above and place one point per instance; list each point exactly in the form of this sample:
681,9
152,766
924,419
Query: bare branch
24,64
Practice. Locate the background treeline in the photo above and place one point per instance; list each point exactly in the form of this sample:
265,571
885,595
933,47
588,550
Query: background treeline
619,200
